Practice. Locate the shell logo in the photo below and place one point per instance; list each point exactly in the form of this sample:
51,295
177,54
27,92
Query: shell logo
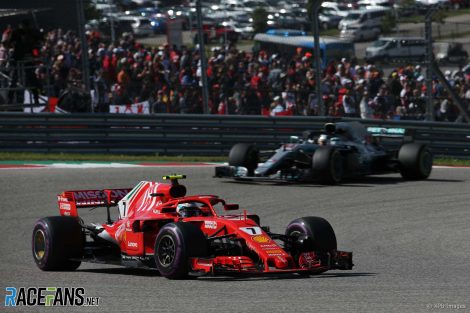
261,239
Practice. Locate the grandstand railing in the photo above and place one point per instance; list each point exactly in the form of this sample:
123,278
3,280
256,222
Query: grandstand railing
180,134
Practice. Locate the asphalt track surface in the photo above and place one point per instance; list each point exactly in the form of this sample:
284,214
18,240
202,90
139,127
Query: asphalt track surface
410,242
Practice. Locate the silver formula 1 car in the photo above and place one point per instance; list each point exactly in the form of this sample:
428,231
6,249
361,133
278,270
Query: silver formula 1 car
344,150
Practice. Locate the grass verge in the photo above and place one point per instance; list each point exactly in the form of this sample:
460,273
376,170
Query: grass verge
451,161
75,157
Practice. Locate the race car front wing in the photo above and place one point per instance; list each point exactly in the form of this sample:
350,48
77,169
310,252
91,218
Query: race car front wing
309,262
230,171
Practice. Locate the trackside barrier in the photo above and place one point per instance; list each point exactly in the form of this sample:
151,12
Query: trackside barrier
180,134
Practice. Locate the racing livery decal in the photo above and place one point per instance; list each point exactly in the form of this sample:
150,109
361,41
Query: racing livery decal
275,252
252,230
261,239
210,224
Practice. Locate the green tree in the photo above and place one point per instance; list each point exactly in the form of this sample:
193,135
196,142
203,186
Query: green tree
260,20
439,16
406,3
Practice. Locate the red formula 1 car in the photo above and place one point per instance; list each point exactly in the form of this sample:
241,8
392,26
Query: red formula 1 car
160,227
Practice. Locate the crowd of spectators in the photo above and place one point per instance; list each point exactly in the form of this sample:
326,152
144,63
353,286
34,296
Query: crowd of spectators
239,82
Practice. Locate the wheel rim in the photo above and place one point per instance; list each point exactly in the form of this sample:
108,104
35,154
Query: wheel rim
39,245
295,233
166,251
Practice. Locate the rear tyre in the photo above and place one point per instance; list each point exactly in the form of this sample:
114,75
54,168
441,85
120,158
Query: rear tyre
321,235
246,155
415,161
175,244
327,164
56,240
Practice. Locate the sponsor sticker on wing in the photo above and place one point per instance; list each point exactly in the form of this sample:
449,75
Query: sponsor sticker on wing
274,252
65,206
269,246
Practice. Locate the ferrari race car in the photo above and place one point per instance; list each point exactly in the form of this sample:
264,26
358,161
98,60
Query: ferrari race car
344,150
159,227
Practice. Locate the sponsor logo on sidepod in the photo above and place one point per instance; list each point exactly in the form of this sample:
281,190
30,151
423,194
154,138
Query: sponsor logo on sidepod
210,224
132,244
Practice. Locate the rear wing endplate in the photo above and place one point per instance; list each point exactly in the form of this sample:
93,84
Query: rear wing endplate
70,201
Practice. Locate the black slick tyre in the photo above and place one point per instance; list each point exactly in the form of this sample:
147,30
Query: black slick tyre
327,164
57,243
321,236
245,155
318,229
415,161
174,245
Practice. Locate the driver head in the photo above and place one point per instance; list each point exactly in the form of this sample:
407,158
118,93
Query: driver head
188,209
330,128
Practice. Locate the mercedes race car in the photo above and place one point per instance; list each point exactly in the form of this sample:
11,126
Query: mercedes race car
161,228
345,150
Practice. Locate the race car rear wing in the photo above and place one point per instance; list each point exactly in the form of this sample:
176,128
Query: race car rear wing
70,201
391,132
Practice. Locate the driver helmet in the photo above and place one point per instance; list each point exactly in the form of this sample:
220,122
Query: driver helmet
323,140
188,209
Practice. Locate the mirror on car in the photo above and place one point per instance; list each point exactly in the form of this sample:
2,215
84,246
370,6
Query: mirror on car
231,207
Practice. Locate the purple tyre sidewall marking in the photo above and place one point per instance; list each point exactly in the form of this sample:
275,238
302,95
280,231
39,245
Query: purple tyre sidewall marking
301,226
176,236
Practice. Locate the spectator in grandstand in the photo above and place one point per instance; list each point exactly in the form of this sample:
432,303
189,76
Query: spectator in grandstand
239,82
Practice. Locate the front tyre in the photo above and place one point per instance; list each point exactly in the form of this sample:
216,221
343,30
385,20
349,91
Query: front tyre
56,241
245,155
174,245
312,234
327,164
322,235
415,161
